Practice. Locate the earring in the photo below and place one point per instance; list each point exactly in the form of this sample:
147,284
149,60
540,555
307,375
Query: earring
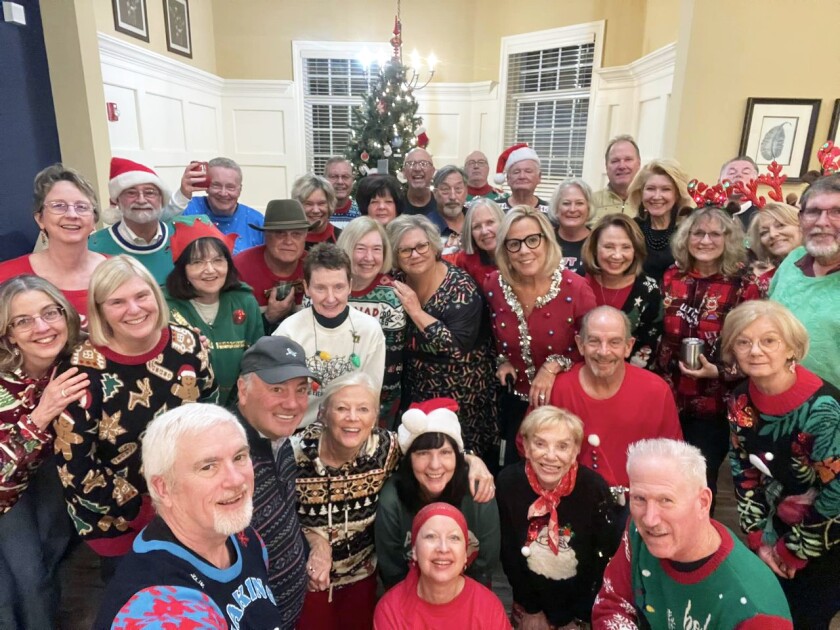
792,365
16,351
43,237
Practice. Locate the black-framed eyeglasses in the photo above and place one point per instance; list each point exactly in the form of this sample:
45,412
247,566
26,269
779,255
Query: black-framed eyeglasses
25,323
532,241
420,248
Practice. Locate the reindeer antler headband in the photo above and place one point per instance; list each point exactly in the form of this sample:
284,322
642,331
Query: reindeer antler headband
774,180
705,195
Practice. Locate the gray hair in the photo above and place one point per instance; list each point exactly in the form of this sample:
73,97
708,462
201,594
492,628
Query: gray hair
690,461
356,378
829,185
165,433
605,309
336,159
403,224
563,186
50,176
445,171
738,158
223,162
467,243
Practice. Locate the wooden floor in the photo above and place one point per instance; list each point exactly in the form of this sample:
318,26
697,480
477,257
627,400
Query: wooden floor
83,588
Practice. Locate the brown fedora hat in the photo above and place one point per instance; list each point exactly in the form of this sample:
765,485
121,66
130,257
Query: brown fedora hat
284,214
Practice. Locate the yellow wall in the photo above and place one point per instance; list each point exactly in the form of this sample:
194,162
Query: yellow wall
729,60
661,24
254,37
201,29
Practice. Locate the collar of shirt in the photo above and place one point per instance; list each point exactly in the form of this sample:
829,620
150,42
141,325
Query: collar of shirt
128,234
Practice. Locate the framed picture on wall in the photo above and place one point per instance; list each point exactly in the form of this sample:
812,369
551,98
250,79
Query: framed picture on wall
780,129
130,18
177,16
834,126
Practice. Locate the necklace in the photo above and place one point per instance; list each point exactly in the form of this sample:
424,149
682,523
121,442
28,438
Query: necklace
656,239
355,359
611,297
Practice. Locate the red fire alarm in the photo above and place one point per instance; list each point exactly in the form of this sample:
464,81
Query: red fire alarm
113,112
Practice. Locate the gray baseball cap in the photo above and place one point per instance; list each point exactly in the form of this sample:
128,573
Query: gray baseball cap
276,360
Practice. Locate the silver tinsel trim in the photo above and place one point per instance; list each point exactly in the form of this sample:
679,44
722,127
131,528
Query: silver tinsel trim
516,308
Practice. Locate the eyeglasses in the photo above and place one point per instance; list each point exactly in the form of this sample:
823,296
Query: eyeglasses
82,208
472,163
420,163
25,323
148,193
340,178
810,215
420,248
744,346
228,188
216,263
533,241
699,235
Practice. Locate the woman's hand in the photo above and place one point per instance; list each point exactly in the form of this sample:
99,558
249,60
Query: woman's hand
409,299
775,562
66,388
540,393
482,486
537,621
707,369
503,371
319,563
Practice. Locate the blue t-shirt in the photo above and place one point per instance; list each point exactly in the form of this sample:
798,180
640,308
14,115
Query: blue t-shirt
237,223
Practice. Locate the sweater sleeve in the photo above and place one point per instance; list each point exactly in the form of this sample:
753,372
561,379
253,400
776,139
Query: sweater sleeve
169,607
390,536
649,327
457,331
614,604
374,363
765,622
485,526
21,445
255,328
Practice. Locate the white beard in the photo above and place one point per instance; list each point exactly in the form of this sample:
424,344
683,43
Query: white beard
229,524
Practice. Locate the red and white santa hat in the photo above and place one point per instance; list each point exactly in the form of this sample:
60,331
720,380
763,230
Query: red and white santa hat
437,415
510,156
126,173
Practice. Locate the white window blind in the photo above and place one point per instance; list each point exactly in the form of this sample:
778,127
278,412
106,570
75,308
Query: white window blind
547,106
332,87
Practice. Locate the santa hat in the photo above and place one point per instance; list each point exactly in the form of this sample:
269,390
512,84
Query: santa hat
187,232
431,416
186,370
125,174
512,155
439,509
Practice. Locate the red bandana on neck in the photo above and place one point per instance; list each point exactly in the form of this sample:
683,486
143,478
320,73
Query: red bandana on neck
547,503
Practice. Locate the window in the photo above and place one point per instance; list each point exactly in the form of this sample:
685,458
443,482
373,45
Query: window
547,98
331,88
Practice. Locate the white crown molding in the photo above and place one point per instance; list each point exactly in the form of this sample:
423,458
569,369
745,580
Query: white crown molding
655,65
134,59
258,88
457,91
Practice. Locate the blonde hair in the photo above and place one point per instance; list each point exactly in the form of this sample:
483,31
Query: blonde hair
109,276
467,241
356,230
549,416
781,212
792,331
734,254
670,169
553,253
305,185
562,187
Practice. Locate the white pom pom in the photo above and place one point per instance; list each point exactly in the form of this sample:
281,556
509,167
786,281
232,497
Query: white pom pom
415,421
499,178
594,440
419,131
526,551
768,456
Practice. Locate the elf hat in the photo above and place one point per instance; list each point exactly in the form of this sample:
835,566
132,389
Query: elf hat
512,155
430,416
187,232
125,174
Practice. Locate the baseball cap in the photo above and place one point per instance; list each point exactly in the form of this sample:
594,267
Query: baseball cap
276,360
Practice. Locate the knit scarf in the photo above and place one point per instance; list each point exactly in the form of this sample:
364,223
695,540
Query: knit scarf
547,502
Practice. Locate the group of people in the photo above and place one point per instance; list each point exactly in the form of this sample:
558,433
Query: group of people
265,420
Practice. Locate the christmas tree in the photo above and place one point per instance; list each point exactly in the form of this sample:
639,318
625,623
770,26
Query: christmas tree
386,126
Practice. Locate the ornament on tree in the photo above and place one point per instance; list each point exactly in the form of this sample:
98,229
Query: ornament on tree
396,142
422,138
387,151
365,156
401,177
380,107
364,170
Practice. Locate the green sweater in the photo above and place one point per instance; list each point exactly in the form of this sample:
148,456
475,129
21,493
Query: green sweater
816,303
393,536
237,326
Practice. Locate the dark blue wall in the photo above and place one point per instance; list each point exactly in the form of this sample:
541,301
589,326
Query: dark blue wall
28,134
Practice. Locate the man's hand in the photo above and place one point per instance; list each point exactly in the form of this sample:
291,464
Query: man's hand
278,309
482,486
189,180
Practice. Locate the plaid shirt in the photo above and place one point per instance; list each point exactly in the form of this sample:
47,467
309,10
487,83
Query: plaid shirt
696,306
